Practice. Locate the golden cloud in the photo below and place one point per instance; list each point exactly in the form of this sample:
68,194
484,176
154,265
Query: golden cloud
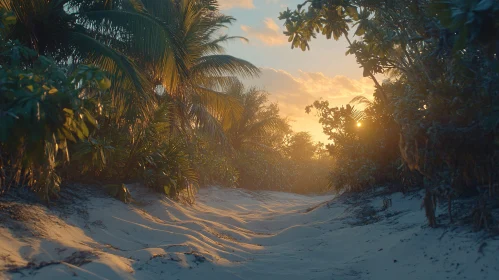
269,34
295,92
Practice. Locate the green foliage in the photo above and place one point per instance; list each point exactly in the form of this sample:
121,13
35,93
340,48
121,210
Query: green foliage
263,170
364,143
475,22
215,164
90,32
442,95
300,147
260,125
92,154
41,112
168,170
353,174
251,144
168,74
266,153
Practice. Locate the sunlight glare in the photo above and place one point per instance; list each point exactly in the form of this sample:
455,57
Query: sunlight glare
359,124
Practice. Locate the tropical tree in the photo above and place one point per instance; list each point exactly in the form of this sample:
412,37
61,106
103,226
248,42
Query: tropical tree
301,147
41,112
93,32
364,143
211,72
196,105
167,77
256,141
260,125
196,102
442,66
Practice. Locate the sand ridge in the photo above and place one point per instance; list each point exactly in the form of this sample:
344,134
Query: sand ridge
238,234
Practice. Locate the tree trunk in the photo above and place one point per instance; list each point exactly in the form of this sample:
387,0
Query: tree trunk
384,97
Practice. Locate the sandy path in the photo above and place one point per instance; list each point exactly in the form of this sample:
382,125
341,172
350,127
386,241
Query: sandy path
235,234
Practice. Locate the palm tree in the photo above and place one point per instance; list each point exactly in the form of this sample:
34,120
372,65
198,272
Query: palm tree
143,44
168,68
260,125
190,102
116,35
200,95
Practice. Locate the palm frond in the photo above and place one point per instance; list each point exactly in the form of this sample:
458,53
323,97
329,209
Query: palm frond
222,106
214,46
360,99
357,115
223,65
264,127
219,83
208,125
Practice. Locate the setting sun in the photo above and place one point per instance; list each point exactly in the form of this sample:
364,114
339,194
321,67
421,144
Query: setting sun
359,124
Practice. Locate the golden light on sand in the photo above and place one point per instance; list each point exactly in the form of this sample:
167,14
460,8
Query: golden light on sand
359,124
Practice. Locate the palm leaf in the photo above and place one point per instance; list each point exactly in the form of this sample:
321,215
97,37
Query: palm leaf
222,106
359,99
223,65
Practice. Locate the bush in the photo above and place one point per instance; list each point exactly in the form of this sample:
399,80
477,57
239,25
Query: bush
41,113
168,170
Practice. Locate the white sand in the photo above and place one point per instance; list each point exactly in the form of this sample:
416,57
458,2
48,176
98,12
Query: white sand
235,234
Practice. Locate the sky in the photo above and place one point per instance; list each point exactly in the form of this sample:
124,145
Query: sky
293,78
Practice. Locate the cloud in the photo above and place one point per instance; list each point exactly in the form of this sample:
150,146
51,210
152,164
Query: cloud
269,34
230,4
295,92
275,2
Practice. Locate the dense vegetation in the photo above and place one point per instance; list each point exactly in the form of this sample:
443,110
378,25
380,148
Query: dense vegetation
433,123
265,153
113,91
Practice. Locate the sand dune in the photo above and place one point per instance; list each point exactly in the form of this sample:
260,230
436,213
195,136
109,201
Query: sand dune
237,234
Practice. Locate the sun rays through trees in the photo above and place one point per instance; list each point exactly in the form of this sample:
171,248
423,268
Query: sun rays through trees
109,92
